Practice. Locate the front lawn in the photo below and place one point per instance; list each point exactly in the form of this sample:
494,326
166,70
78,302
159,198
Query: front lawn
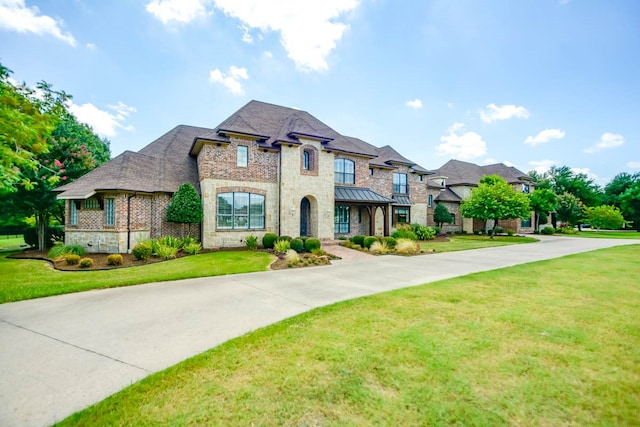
25,279
605,234
548,343
472,241
10,243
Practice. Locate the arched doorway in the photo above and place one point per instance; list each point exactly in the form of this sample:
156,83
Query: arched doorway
305,217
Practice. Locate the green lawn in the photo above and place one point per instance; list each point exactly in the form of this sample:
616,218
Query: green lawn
25,279
465,242
10,243
549,343
605,234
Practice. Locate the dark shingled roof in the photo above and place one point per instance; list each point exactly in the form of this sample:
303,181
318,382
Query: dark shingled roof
354,194
161,166
402,200
447,195
465,173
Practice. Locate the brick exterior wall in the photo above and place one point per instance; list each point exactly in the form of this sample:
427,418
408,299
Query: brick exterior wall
361,170
220,162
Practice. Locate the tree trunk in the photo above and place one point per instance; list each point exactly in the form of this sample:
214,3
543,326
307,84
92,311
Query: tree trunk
42,221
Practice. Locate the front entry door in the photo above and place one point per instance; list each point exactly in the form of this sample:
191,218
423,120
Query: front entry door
305,209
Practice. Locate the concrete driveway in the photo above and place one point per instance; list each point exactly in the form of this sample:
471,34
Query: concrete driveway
61,354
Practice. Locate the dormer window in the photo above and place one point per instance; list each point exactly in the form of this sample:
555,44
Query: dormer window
243,156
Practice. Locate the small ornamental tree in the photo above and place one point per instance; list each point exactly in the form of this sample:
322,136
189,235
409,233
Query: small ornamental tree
570,209
607,217
495,199
441,214
185,207
542,201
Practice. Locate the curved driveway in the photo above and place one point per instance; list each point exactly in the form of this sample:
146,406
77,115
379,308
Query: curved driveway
61,354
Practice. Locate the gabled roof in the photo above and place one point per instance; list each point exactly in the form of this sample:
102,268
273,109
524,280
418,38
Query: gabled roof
388,157
447,195
161,166
465,173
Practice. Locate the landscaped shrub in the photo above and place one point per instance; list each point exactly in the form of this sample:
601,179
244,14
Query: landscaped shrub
86,262
566,230
547,231
297,245
252,242
292,256
389,241
72,259
407,247
312,244
268,240
369,240
510,232
358,239
478,231
380,248
437,230
192,248
60,250
115,259
189,240
142,251
423,232
404,232
287,238
281,246
171,241
165,251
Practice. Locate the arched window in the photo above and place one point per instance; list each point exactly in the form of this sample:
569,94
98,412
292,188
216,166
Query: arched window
306,160
345,171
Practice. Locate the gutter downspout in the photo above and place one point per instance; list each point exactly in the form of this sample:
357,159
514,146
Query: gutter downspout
129,221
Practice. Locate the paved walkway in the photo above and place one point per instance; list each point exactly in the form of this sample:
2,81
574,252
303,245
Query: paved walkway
61,354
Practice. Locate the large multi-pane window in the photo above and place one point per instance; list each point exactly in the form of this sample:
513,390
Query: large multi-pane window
109,212
341,219
243,156
345,171
73,213
401,216
400,183
238,211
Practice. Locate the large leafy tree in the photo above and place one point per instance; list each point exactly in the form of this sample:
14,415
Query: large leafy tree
71,149
495,199
565,180
26,122
630,204
618,185
185,207
605,216
570,209
542,201
441,215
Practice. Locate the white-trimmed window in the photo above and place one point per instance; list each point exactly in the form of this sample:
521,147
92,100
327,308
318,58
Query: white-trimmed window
109,212
243,156
240,211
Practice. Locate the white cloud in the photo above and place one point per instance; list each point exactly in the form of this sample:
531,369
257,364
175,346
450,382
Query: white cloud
542,166
416,104
459,145
545,136
309,30
91,46
587,172
268,54
246,34
494,113
180,11
16,16
634,165
450,105
231,80
607,140
104,123
508,163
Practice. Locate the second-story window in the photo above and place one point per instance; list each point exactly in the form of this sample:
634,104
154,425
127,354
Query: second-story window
525,188
243,156
306,160
345,171
400,183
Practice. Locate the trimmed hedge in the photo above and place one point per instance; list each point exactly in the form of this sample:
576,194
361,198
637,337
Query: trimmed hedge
142,251
311,244
115,259
268,240
369,240
86,262
297,245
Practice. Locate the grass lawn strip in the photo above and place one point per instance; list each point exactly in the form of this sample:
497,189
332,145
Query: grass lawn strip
548,343
605,234
467,242
25,279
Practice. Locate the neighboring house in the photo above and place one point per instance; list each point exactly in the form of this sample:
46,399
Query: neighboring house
453,182
265,169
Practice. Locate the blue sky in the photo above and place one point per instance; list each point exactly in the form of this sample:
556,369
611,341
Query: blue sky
531,83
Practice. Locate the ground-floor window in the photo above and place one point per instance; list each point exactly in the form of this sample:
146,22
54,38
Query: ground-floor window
73,213
240,211
525,223
109,212
341,219
401,216
453,218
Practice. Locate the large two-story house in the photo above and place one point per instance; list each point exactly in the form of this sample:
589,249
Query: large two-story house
265,169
